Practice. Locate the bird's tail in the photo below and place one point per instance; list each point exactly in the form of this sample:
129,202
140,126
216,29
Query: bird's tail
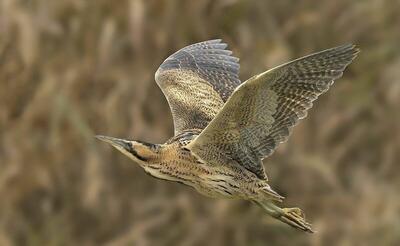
291,216
271,194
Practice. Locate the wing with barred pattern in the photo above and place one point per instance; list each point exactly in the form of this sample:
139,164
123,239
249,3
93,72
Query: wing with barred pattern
261,112
197,80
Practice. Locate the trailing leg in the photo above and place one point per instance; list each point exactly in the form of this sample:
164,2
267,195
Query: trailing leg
291,216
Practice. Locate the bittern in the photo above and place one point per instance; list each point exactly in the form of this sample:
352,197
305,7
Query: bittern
225,128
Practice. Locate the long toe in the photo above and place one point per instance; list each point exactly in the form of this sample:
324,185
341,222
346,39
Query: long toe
295,217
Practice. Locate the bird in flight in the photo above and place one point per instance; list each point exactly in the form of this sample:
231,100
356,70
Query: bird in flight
224,128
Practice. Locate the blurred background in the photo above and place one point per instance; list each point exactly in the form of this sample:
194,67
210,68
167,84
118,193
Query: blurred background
70,69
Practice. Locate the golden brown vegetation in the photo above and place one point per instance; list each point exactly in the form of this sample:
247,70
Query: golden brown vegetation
70,69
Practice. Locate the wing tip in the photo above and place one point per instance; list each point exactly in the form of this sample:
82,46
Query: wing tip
349,51
354,49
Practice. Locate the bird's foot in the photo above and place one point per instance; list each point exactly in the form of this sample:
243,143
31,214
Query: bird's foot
296,218
291,216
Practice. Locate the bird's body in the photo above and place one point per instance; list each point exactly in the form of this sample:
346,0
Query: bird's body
175,163
224,128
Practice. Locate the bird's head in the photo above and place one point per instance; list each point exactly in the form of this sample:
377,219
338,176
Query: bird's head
140,152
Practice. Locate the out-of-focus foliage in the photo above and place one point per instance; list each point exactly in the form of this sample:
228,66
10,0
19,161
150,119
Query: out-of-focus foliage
70,69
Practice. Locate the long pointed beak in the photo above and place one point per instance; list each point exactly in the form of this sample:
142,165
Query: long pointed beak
115,142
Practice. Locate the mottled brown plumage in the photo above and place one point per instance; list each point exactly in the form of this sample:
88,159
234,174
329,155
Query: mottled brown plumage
224,128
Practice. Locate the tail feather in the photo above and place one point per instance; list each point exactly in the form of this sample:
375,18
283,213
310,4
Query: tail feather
273,195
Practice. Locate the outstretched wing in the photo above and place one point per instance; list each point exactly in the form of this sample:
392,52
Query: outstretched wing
261,112
197,80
